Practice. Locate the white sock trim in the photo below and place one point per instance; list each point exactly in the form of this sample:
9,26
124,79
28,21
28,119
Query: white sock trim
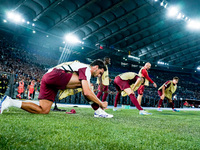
16,103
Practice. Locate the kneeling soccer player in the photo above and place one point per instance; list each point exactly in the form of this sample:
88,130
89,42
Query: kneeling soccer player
64,76
123,84
166,91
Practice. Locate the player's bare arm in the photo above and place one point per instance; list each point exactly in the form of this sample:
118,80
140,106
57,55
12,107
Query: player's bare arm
90,95
139,80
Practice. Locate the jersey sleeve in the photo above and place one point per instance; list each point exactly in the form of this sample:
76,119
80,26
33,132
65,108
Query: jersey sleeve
167,83
144,73
84,74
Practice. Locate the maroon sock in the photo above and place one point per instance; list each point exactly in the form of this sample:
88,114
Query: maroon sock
160,103
117,98
99,94
104,97
135,102
172,105
95,106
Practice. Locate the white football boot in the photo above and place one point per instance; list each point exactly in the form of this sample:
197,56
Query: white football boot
142,112
99,113
5,103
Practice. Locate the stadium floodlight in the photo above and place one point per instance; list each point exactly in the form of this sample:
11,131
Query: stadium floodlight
72,39
33,24
198,68
179,16
34,31
10,15
166,5
28,22
14,16
23,20
162,3
160,62
155,0
134,58
17,18
172,11
195,25
4,20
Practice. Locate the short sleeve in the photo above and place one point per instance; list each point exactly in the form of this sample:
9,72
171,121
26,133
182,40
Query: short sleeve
84,74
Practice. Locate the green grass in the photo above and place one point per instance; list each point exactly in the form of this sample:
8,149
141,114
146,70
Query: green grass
127,130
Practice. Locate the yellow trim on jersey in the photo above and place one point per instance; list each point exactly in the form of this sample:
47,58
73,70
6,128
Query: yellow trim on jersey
105,77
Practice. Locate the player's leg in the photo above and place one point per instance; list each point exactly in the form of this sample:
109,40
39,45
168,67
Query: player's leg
117,98
105,90
139,98
160,101
140,94
44,107
131,94
51,82
117,82
172,105
100,92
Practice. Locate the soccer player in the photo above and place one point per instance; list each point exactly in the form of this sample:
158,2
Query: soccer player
166,91
144,73
61,77
103,81
127,83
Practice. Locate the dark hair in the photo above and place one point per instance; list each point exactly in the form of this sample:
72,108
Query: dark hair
100,63
176,78
106,57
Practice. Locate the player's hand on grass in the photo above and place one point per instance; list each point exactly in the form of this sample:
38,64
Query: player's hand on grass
104,104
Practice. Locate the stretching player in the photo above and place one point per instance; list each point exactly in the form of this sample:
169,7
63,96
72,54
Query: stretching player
61,77
143,73
166,90
128,82
103,81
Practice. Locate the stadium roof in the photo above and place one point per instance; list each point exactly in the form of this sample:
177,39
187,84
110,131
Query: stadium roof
119,26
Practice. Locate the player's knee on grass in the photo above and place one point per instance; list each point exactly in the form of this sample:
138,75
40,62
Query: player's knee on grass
45,106
45,111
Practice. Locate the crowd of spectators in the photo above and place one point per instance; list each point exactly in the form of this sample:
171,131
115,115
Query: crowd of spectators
15,59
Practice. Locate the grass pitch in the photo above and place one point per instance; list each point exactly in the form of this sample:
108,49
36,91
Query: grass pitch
127,130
